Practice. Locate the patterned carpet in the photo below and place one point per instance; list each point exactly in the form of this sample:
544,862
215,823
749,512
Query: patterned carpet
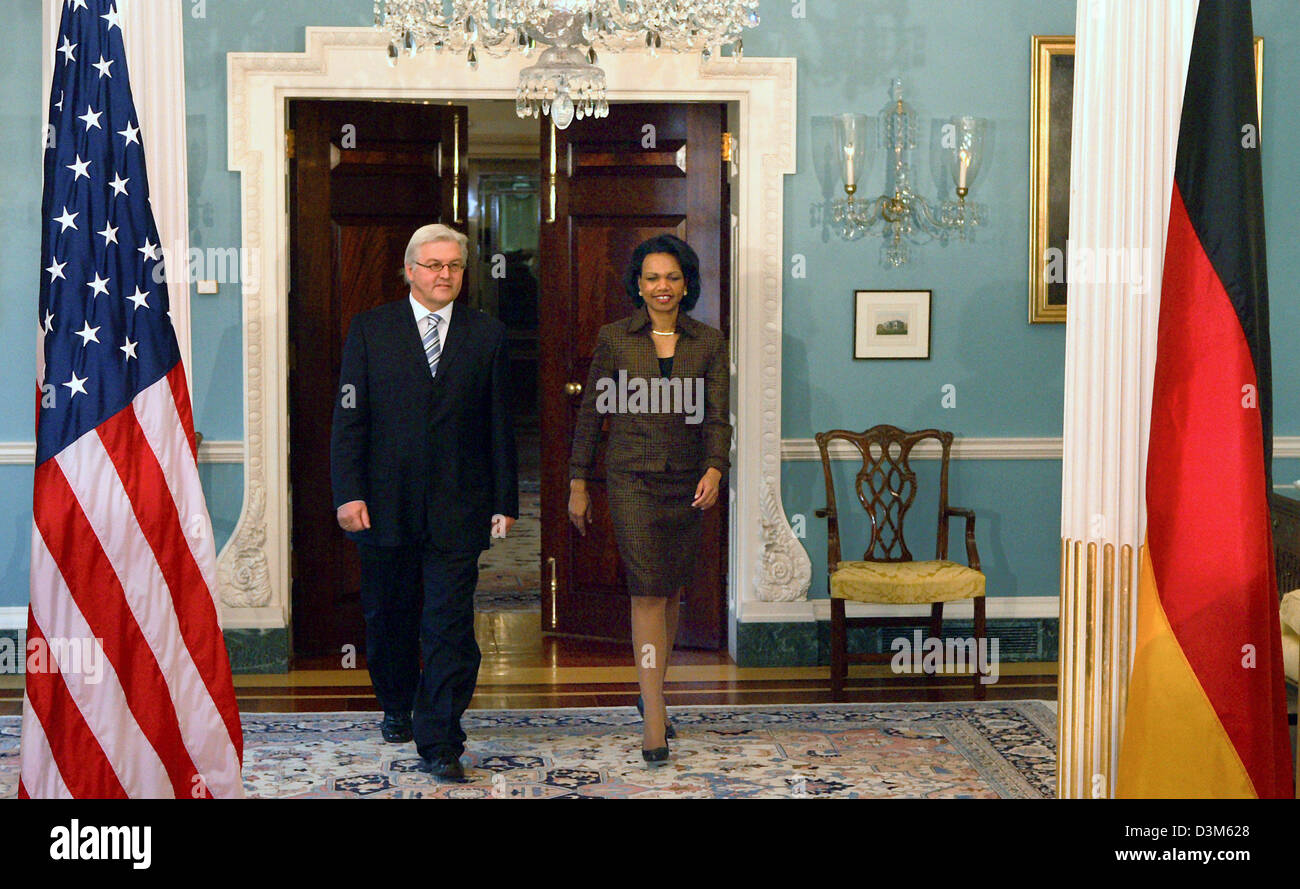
508,573
982,750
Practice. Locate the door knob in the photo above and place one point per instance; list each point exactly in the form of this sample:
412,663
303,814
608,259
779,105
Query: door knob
572,388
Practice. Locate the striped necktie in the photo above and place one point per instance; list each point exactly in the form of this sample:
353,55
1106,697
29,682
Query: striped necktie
432,345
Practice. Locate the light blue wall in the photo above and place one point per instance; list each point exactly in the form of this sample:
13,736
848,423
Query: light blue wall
967,56
954,58
963,57
1278,22
230,26
21,118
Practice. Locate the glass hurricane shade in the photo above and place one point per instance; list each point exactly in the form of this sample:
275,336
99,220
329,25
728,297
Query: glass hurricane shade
852,144
964,139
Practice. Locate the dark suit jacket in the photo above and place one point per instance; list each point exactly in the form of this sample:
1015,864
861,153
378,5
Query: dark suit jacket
433,458
643,441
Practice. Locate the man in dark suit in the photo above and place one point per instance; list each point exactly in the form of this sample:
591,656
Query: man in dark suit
422,456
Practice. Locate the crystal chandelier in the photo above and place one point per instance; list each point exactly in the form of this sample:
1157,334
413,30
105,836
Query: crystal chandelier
565,82
901,216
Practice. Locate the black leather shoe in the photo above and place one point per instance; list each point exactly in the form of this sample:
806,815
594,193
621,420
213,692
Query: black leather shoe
445,769
669,731
396,728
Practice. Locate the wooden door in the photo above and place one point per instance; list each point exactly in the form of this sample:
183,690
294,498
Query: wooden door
363,177
607,185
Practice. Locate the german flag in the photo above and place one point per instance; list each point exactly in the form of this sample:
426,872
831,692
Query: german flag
1207,703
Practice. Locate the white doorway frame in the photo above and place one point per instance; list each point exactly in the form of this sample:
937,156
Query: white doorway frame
769,572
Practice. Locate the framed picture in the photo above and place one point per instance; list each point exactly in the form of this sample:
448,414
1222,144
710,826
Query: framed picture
1051,111
891,324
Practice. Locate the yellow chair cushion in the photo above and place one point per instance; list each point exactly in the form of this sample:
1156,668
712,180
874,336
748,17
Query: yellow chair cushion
1291,611
905,583
1291,638
1291,656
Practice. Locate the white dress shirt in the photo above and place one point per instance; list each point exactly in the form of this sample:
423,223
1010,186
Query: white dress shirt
421,313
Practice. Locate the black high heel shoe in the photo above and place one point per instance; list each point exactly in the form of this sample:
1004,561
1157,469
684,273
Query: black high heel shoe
657,755
670,733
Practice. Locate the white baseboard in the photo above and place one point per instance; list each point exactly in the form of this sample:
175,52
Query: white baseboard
996,607
266,617
13,617
1001,607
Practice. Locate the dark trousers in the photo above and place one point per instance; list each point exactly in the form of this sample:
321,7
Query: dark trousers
419,604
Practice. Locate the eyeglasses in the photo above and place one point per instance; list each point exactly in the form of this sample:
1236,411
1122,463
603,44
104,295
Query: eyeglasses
456,266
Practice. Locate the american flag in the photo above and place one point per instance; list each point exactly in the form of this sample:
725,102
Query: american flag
128,689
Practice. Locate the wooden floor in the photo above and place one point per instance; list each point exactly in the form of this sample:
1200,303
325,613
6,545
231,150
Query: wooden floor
522,668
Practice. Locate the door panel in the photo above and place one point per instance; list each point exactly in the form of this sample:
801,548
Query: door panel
645,170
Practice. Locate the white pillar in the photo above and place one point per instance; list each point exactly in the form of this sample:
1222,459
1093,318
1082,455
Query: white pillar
1130,64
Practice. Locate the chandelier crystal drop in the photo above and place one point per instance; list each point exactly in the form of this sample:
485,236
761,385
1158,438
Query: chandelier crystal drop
565,81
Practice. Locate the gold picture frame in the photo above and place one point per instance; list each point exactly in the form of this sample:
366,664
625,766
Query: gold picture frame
1051,85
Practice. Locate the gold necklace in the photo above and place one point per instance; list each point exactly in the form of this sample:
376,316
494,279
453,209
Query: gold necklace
662,332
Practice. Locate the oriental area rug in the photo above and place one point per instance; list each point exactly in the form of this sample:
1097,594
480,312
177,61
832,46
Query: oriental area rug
509,572
1002,749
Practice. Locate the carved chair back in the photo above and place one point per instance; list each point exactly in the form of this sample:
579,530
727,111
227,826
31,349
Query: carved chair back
886,487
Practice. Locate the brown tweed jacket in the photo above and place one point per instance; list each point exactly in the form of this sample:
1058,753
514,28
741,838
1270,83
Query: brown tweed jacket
649,430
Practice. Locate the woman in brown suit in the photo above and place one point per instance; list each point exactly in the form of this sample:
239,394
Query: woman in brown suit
661,377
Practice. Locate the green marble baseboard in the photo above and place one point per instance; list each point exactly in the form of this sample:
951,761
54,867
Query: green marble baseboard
777,644
250,650
258,651
808,644
12,650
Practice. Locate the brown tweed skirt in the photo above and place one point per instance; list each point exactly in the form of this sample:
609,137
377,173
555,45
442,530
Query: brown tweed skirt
656,528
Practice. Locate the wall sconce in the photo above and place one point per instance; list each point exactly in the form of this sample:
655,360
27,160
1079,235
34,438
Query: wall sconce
901,215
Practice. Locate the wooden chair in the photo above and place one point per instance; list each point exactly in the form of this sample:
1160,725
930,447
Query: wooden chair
1286,551
887,574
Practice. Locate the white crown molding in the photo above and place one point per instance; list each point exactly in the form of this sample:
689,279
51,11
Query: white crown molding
253,568
23,453
805,449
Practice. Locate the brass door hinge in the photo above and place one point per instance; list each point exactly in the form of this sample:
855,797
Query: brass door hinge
455,169
288,144
555,589
728,144
550,213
